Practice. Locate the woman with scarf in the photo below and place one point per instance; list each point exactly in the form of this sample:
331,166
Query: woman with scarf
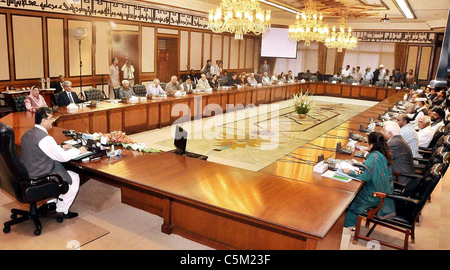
34,101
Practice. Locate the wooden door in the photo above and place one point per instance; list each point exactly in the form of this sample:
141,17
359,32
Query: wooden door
167,65
125,45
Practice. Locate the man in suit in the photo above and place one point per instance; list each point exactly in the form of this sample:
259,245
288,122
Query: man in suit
402,158
67,96
58,85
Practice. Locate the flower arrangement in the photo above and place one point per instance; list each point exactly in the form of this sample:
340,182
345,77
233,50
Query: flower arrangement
119,138
302,102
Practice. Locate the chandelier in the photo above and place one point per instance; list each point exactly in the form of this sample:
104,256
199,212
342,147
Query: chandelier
341,39
309,26
239,17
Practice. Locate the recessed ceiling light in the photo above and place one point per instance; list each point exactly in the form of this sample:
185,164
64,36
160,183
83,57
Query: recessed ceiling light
405,8
278,6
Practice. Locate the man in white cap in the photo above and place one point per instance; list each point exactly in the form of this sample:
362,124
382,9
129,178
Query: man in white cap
382,73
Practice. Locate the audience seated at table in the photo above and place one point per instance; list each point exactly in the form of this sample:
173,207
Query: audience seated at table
187,85
425,132
203,83
409,134
125,90
377,177
401,154
251,80
265,80
172,86
34,100
154,89
242,79
67,96
214,83
233,81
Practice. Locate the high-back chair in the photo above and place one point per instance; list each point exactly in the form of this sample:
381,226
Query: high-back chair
407,210
14,179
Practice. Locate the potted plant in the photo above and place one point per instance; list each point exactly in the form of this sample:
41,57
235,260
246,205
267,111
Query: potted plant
302,103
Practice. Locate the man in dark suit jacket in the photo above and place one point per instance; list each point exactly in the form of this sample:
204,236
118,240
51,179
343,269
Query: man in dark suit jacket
402,158
67,96
58,84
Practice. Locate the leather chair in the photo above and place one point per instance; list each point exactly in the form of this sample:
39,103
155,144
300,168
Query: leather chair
55,99
14,179
140,90
407,210
93,94
18,103
379,84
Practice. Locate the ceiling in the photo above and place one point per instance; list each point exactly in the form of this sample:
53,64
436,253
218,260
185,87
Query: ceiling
361,14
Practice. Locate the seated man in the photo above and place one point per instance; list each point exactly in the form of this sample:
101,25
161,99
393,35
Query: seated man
252,80
409,134
125,91
42,155
233,81
154,89
188,85
265,79
425,133
289,76
437,116
402,158
67,96
203,83
172,86
58,85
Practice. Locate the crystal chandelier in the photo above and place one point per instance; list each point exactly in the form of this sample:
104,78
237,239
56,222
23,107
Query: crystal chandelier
309,26
341,39
239,17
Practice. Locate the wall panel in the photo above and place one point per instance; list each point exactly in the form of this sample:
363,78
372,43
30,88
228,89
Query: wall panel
206,48
196,51
242,53
28,47
234,53
256,54
56,59
249,47
424,64
216,48
4,60
226,52
412,57
148,49
102,60
184,50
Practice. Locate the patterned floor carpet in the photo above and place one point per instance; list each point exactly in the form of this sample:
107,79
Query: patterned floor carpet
256,137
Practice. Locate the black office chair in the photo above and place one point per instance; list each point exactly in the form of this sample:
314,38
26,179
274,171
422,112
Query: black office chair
140,90
15,180
55,99
407,210
18,103
93,94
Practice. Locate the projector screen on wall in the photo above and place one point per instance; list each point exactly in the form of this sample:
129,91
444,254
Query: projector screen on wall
276,43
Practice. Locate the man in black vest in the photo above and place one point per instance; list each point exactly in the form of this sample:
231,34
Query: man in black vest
41,155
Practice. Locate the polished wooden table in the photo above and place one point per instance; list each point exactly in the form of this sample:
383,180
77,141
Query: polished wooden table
283,206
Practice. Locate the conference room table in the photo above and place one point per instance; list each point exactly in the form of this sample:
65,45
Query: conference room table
283,206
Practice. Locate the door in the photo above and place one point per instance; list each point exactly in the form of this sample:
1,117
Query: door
167,64
125,47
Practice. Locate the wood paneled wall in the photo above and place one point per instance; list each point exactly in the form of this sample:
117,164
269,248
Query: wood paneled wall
36,45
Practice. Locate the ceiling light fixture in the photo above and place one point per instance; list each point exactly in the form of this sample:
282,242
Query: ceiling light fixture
278,6
405,8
